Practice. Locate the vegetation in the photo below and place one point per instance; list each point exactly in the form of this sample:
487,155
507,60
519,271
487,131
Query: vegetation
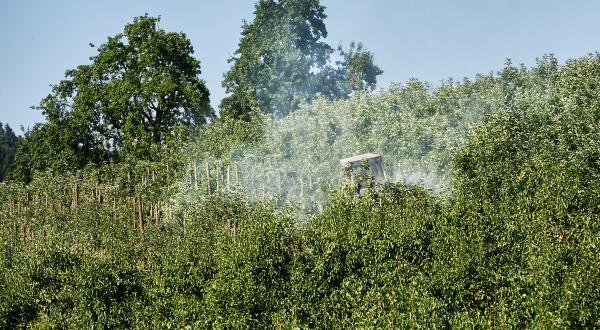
141,86
489,218
512,245
8,148
281,62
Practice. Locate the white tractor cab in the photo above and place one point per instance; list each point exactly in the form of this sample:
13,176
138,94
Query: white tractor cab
357,167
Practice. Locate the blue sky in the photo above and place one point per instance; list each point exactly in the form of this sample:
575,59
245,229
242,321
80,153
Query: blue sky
428,40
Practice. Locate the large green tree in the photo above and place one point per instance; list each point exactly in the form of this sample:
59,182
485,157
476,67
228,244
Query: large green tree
282,60
141,85
8,146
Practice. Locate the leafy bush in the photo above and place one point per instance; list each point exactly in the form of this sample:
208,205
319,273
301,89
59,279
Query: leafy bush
512,245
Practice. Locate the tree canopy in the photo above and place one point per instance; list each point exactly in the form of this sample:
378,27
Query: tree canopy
8,146
282,61
140,86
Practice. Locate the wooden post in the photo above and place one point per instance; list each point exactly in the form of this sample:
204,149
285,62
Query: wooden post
183,221
76,197
114,207
141,214
133,211
157,213
237,175
195,176
222,174
227,176
218,176
207,178
279,183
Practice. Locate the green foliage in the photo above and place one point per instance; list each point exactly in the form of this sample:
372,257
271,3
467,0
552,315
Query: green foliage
416,127
139,89
529,194
8,147
57,145
281,61
512,245
357,70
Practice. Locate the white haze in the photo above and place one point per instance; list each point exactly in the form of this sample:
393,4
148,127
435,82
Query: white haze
298,162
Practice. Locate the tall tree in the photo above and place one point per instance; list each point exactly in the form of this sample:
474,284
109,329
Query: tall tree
358,69
276,53
8,146
355,71
282,61
142,84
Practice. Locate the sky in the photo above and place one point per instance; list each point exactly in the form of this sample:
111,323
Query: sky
428,40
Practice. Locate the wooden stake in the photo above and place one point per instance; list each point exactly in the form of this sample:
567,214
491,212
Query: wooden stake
183,221
237,176
195,176
279,183
133,211
227,176
218,177
141,214
207,178
114,207
157,212
76,197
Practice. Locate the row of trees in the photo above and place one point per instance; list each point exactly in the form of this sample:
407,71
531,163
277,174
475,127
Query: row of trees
515,245
143,87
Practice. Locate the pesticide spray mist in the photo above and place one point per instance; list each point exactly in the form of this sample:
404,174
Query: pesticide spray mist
410,125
